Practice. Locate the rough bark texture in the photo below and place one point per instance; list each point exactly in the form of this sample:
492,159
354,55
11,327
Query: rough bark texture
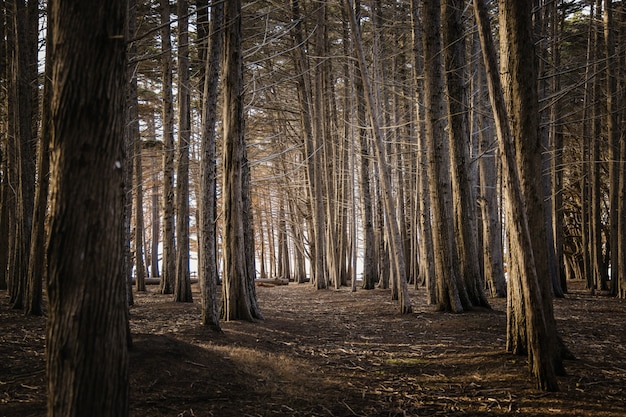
449,292
182,286
208,253
87,358
528,311
395,239
169,246
458,135
236,299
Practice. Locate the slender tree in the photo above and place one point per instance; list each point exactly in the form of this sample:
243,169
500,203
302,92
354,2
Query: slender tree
182,286
208,253
397,248
169,246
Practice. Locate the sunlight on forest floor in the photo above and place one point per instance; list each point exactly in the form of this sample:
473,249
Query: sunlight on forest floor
338,353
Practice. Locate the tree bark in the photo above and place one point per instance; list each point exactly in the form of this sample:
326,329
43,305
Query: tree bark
86,352
397,249
37,265
450,296
182,285
525,277
208,182
458,136
169,246
236,304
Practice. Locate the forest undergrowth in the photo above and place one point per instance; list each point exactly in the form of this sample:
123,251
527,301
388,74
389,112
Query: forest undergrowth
338,353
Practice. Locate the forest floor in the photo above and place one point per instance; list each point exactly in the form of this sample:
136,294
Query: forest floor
338,353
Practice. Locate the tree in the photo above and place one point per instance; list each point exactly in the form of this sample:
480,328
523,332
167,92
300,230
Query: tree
135,148
208,252
397,248
525,314
169,246
37,260
458,136
451,295
237,303
182,286
22,171
86,352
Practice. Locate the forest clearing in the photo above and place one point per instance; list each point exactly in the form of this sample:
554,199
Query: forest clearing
339,353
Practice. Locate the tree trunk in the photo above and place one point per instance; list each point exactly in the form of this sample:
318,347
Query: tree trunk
493,259
37,266
458,135
310,144
208,251
134,137
182,286
25,151
450,296
169,246
86,352
397,249
525,277
235,299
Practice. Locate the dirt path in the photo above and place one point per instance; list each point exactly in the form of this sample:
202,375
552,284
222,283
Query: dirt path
337,353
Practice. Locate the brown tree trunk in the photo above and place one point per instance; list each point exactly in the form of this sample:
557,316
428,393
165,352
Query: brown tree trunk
37,266
397,249
86,351
169,246
450,294
182,285
207,248
524,276
236,303
458,135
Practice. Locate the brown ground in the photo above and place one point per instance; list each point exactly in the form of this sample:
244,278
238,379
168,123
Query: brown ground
337,353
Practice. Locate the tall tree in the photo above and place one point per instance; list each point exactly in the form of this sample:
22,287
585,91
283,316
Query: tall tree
237,303
169,246
208,251
310,145
37,260
525,308
86,349
397,248
451,295
458,136
182,286
134,141
24,115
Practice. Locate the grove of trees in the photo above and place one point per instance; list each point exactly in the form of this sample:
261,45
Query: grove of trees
473,149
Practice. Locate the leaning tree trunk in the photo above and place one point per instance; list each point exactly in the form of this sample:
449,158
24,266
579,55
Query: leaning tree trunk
525,273
397,248
86,352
